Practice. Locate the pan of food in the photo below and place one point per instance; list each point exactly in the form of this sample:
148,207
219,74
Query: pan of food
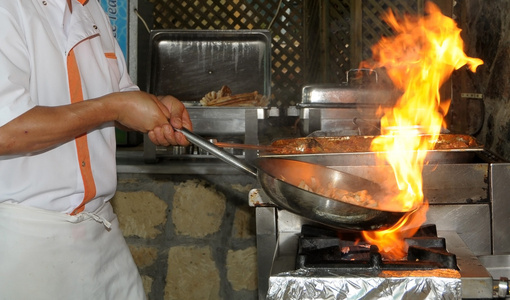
316,192
348,144
360,143
349,150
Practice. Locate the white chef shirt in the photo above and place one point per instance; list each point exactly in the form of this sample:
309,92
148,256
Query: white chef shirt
33,71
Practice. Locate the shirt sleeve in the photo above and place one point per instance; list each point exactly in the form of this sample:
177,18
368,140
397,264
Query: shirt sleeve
125,83
14,68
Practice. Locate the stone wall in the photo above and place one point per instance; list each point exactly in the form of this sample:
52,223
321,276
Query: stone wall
192,237
486,32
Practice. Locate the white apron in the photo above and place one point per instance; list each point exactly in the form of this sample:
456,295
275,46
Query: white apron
51,255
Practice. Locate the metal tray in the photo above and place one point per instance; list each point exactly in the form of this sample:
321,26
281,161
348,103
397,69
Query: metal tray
188,64
329,107
456,156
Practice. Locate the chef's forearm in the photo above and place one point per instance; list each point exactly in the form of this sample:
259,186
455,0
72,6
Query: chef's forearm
43,127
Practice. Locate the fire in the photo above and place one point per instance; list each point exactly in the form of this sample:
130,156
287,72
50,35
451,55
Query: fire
419,58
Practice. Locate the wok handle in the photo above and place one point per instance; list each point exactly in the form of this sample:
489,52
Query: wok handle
217,151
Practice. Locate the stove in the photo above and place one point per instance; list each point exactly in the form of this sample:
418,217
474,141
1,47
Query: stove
353,269
466,223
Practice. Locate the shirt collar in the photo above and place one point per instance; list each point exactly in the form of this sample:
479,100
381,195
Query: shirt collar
82,1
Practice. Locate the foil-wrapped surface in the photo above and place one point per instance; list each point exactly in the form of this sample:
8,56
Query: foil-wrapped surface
330,284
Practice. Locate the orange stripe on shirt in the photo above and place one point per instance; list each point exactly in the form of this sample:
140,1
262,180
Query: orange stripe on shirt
76,94
111,55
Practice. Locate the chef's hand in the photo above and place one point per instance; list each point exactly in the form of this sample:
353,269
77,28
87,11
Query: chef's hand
178,117
138,111
146,113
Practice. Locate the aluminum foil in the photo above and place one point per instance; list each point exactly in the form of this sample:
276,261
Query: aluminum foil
329,284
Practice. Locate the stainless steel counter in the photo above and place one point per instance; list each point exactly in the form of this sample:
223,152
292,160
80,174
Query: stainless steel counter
132,161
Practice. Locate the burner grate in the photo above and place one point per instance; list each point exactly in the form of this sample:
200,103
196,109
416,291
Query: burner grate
320,248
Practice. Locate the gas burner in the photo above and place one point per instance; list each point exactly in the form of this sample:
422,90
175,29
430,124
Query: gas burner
325,248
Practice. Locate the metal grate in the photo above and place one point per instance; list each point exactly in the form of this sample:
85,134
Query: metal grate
314,41
373,27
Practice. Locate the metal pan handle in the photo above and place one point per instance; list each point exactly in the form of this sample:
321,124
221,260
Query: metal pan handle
217,151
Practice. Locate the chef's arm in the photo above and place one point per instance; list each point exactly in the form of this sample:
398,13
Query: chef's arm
44,127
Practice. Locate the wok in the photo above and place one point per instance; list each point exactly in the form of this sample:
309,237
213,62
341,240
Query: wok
280,179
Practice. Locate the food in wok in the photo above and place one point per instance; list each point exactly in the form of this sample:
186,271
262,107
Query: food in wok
361,197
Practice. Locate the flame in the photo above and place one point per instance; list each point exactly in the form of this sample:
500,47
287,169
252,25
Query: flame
391,241
419,58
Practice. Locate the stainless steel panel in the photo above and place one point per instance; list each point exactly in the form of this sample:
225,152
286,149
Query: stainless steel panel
476,281
500,193
266,245
470,221
456,183
497,265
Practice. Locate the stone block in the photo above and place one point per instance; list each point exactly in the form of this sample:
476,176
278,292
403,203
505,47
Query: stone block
140,213
198,209
244,223
143,256
192,274
242,269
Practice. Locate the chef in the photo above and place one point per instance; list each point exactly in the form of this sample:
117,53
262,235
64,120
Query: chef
63,88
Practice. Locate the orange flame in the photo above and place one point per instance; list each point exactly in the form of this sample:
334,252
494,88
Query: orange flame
419,58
